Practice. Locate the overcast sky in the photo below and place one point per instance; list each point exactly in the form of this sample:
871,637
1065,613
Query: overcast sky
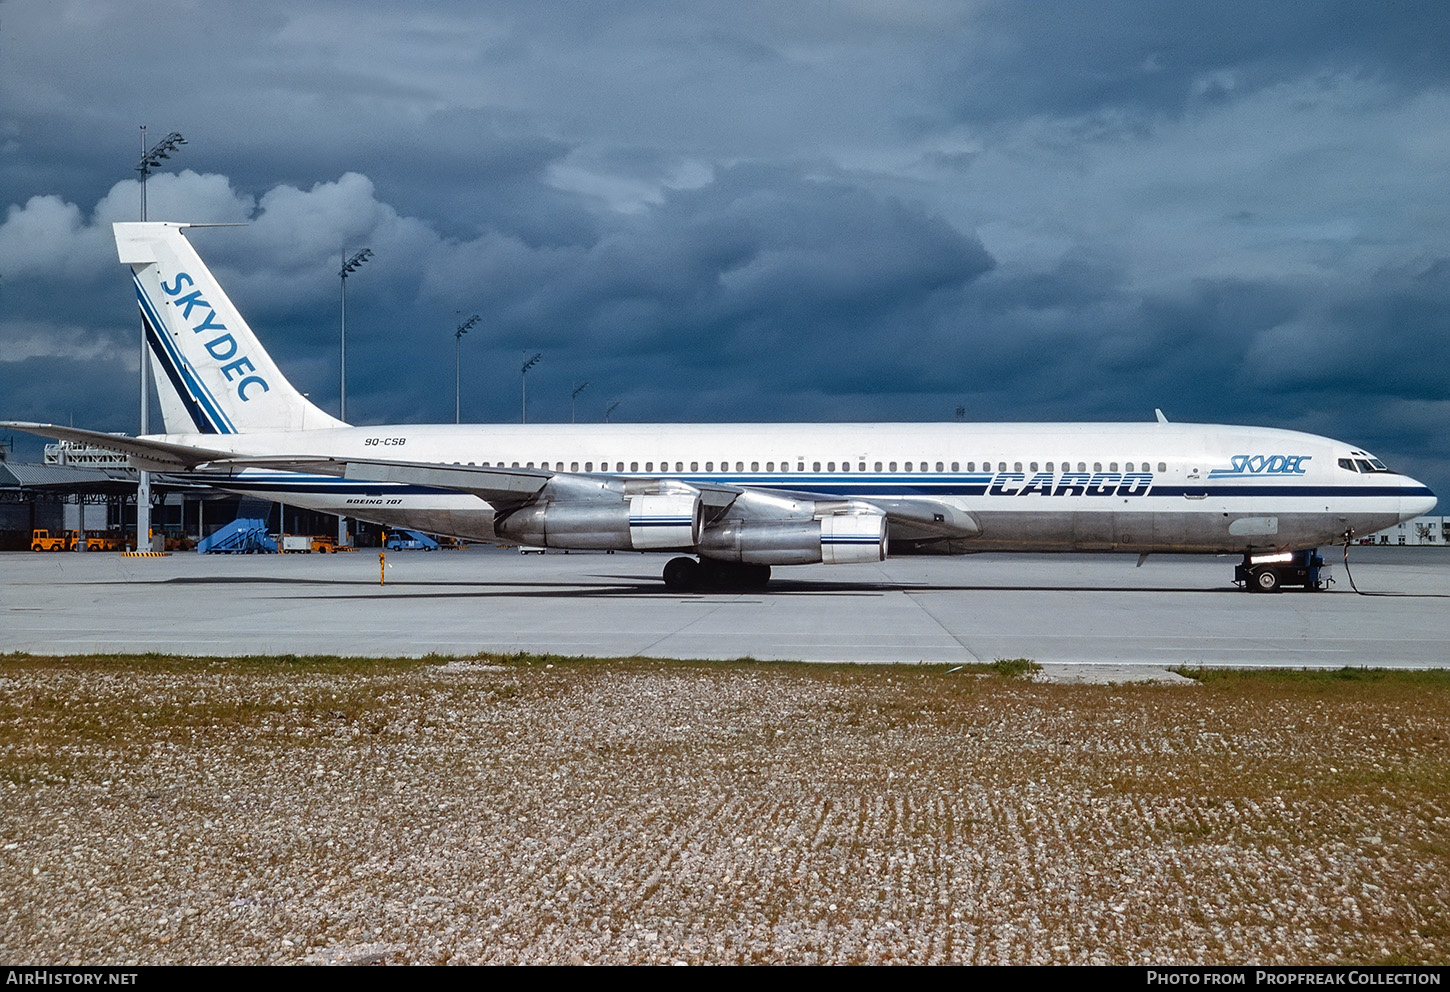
801,210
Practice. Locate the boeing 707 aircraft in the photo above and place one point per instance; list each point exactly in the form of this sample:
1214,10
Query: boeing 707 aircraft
732,500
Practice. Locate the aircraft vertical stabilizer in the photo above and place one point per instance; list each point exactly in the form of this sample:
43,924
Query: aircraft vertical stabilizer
218,373
176,413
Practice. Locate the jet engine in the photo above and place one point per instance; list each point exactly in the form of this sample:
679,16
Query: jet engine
621,523
836,539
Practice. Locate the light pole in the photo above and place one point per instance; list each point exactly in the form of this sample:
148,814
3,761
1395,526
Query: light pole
572,397
349,266
150,159
458,359
524,377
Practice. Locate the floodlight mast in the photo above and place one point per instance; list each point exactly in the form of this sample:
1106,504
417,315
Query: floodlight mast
349,266
573,396
151,160
463,328
524,379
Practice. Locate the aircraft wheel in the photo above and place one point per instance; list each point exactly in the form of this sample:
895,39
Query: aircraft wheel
682,574
727,575
715,574
1266,580
754,576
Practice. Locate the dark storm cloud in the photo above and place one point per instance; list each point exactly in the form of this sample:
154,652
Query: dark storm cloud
1123,55
754,247
759,276
1345,332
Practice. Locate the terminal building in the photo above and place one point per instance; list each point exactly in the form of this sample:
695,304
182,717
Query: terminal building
80,487
1421,531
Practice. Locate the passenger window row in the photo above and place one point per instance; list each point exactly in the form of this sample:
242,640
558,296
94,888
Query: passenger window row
845,466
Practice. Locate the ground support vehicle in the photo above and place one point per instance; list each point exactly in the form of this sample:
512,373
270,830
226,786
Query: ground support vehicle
41,540
409,540
304,544
110,541
242,536
1272,572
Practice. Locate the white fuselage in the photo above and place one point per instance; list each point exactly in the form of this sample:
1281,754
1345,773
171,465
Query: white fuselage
748,494
1031,487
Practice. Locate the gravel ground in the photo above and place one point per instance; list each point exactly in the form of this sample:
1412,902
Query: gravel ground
168,811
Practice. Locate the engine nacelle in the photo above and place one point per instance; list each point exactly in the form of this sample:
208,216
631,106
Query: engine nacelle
671,521
839,539
628,523
850,538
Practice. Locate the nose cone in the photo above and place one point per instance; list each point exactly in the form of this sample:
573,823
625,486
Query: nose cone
1416,500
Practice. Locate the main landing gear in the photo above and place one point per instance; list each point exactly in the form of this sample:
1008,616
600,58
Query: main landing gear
687,575
1272,572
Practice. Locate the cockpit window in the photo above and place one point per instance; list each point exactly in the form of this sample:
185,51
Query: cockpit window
1366,464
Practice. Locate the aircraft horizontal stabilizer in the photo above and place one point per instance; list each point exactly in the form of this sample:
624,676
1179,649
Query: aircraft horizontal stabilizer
149,456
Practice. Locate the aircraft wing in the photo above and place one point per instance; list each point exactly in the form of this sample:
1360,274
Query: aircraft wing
914,518
502,487
921,519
